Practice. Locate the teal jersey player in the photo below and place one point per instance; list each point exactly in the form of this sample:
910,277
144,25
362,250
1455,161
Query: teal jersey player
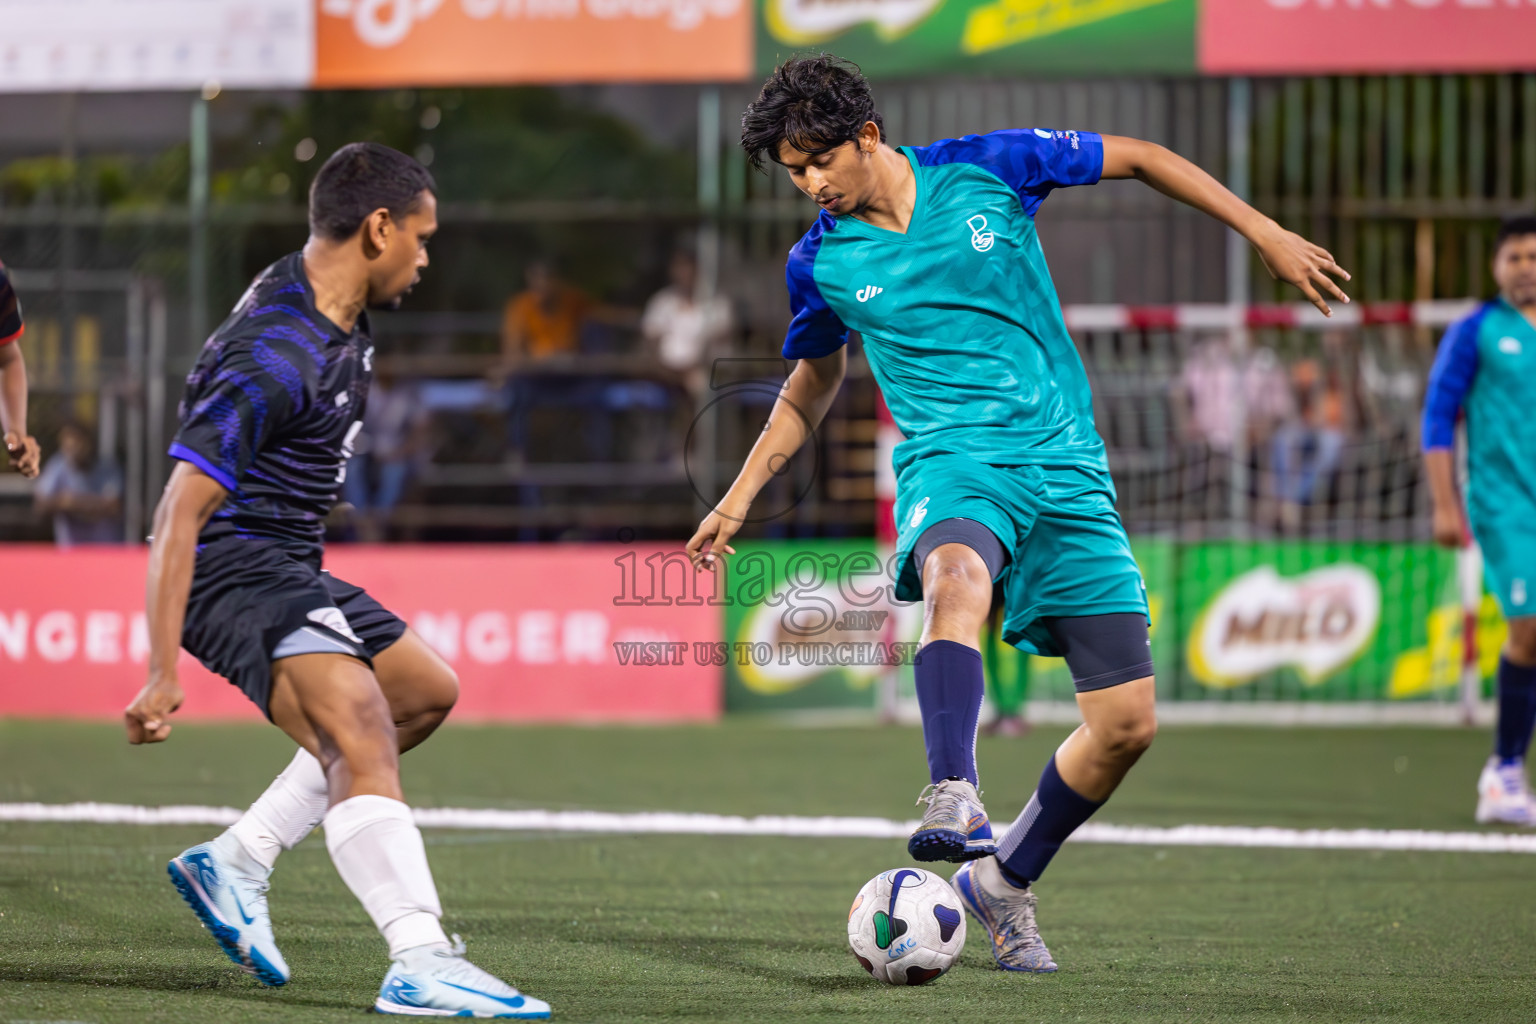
930,253
963,329
1486,368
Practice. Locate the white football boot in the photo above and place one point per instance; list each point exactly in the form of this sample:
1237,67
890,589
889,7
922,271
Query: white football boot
227,890
436,981
1504,795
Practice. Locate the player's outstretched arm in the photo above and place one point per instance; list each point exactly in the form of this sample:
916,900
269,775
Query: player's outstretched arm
802,403
19,445
190,499
1288,256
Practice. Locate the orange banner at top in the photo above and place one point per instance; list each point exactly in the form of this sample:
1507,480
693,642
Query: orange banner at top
385,43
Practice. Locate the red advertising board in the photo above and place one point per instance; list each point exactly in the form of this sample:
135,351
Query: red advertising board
535,633
1341,36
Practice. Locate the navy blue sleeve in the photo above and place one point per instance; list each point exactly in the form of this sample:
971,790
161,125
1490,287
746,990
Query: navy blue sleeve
234,406
815,330
1449,381
1029,161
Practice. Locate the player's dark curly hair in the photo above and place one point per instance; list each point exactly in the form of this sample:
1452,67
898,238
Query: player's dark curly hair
359,178
1514,227
817,103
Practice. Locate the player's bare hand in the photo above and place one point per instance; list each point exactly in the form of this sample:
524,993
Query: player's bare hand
24,454
1449,530
1290,258
147,717
712,539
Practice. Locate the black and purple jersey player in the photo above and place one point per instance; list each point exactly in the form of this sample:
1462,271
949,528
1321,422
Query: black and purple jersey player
269,417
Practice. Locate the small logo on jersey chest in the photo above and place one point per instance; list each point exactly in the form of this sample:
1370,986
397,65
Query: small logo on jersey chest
1509,346
868,292
981,238
342,398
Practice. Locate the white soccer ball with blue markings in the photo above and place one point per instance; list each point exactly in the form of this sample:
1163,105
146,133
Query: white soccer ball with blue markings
906,926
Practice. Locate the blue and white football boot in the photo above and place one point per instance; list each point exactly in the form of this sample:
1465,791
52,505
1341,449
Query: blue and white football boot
955,826
436,981
227,890
1007,913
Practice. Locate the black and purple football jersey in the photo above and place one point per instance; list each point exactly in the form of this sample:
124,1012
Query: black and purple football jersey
272,409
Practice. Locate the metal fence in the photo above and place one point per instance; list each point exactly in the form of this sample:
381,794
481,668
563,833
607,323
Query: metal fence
1404,177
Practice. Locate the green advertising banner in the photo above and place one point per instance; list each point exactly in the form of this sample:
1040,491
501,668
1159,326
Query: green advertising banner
901,38
813,624
1319,621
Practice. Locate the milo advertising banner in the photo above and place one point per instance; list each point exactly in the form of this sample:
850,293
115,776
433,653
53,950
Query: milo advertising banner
1321,621
1015,37
814,624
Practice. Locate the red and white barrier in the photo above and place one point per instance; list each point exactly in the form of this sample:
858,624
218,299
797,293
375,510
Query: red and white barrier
559,633
1215,316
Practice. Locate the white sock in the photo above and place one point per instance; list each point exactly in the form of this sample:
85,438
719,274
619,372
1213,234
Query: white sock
378,852
287,812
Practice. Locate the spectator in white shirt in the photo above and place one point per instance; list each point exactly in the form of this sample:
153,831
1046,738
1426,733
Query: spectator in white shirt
82,491
681,329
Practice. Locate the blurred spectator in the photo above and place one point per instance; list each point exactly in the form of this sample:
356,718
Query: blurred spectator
1307,447
82,491
1209,384
388,451
681,330
1213,399
546,318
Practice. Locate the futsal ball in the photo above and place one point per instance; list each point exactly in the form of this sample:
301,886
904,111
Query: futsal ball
906,926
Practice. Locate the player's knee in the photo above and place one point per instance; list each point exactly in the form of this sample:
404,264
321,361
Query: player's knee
957,578
1127,737
438,692
956,565
1520,647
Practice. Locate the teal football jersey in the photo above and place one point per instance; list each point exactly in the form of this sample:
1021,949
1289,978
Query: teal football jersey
1487,365
960,320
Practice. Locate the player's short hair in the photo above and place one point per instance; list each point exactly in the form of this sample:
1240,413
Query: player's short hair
359,178
816,103
1514,227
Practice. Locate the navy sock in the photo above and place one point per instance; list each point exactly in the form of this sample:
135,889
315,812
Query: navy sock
1052,814
1517,710
949,692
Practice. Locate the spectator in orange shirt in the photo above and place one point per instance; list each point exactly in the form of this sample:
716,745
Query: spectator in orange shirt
546,318
1307,449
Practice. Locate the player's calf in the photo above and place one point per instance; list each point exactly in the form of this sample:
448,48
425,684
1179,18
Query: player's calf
959,559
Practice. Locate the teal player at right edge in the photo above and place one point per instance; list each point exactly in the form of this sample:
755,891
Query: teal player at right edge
930,253
1486,366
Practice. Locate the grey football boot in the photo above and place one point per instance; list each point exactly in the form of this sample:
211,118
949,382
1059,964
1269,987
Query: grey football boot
955,826
1007,913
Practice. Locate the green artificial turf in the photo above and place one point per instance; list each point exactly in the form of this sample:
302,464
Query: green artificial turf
618,928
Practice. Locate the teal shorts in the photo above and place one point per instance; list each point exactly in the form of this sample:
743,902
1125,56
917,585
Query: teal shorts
1509,562
1068,554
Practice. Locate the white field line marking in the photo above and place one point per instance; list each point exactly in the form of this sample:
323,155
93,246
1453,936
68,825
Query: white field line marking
666,823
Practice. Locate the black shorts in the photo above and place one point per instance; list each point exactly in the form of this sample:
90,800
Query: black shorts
248,595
